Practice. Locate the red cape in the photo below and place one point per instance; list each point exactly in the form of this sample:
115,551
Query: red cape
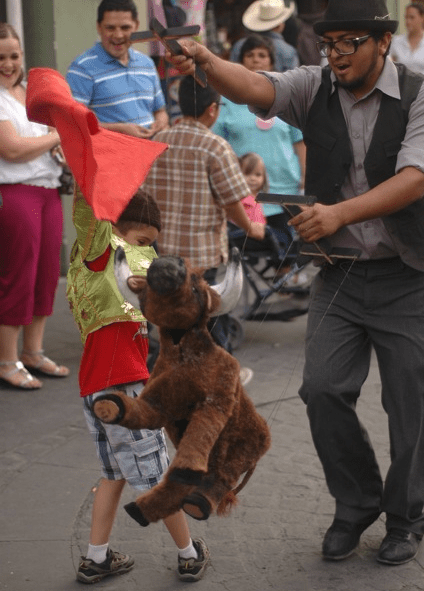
108,166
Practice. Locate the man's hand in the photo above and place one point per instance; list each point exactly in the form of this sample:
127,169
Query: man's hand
256,231
145,132
161,122
128,129
317,221
193,52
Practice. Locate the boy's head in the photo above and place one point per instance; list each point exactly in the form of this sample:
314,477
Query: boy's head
139,223
195,100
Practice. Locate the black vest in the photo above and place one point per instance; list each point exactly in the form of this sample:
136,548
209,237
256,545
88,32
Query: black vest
329,154
326,137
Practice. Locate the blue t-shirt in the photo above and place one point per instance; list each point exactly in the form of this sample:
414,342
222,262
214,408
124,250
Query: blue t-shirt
272,139
116,93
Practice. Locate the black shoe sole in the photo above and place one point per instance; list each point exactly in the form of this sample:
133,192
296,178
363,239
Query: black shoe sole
341,556
81,578
393,563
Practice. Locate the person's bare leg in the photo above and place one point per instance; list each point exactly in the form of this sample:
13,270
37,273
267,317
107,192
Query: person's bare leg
105,505
193,557
9,336
9,342
32,345
34,334
177,526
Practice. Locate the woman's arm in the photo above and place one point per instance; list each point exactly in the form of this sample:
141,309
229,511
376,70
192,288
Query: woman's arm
14,148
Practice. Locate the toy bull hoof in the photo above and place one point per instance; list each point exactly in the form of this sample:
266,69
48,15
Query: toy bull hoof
186,476
134,512
197,506
109,408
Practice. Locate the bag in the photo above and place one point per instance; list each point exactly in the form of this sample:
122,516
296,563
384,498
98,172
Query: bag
66,181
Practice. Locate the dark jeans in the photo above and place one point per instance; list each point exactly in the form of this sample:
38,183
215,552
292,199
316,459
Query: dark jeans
376,305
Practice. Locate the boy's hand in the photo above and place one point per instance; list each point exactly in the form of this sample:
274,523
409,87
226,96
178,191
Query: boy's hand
256,231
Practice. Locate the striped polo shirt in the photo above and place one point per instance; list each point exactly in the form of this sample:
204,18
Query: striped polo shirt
116,93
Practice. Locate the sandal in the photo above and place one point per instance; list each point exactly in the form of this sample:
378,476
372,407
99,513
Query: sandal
19,377
44,365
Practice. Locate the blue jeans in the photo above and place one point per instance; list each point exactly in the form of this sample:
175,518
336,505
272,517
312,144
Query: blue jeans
380,305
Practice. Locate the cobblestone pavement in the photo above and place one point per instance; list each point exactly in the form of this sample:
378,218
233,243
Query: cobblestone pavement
273,538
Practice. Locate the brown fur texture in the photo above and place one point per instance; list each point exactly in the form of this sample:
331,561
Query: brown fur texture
195,393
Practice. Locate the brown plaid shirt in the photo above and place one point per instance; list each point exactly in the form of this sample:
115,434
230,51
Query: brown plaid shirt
192,182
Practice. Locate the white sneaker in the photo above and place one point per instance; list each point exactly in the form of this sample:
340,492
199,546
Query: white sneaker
193,569
246,374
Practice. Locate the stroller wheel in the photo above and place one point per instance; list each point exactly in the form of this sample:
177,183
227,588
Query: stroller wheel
235,332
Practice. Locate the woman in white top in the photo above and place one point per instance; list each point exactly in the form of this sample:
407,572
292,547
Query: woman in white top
409,49
30,225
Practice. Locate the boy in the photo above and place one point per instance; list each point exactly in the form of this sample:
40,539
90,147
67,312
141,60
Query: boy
114,357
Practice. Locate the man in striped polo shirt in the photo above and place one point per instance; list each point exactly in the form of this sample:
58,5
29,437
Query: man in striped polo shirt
121,85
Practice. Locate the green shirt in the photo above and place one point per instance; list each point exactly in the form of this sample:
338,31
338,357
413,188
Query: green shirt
93,296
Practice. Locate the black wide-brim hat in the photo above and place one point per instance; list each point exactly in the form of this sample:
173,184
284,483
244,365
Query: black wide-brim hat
356,15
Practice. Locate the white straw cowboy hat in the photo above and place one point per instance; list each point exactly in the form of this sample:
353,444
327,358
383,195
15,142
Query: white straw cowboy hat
351,15
264,15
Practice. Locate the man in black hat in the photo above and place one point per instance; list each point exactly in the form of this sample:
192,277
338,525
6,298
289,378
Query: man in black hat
363,123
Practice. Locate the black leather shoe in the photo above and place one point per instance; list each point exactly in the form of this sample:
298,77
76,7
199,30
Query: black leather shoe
399,546
342,537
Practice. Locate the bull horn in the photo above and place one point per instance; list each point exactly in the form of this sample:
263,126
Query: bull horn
122,272
230,288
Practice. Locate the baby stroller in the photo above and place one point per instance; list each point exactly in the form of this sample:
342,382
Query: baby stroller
269,266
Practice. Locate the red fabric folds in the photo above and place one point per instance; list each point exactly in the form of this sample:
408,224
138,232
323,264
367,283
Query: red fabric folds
108,166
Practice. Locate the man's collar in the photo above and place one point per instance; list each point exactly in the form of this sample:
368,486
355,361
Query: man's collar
387,83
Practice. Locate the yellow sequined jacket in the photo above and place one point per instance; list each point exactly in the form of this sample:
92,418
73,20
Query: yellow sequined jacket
93,296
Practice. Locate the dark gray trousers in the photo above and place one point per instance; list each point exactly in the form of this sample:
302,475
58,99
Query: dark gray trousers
380,305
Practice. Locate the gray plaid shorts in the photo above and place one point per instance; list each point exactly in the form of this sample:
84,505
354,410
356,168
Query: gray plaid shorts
138,456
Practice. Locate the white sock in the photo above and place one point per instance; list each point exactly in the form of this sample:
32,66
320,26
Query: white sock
97,553
189,552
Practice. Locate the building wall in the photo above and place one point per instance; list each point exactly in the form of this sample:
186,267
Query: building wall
397,11
75,28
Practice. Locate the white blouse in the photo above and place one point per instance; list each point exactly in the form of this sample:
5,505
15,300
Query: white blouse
401,52
43,171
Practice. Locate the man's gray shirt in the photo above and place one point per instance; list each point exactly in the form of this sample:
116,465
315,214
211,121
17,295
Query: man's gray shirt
295,92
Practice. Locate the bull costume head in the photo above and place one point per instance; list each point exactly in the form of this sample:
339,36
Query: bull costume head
186,299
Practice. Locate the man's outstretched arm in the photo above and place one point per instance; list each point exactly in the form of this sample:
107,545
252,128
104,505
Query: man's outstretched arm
232,80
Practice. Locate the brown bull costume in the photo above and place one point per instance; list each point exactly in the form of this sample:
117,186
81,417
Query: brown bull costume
194,392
